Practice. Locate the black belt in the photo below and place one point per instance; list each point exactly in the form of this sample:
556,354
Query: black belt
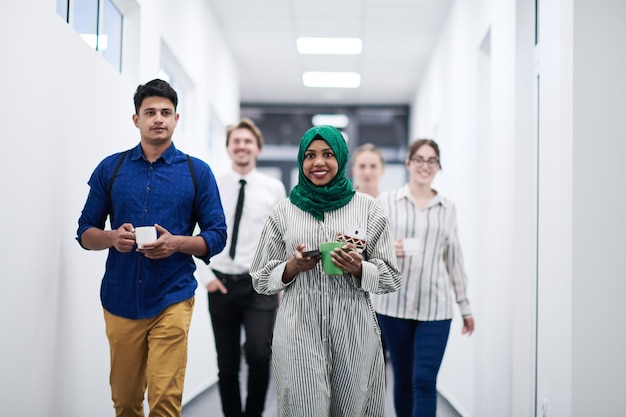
231,277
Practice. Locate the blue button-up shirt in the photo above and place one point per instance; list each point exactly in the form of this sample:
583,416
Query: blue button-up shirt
142,194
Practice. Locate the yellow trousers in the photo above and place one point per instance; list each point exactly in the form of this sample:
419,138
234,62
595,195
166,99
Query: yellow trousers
149,353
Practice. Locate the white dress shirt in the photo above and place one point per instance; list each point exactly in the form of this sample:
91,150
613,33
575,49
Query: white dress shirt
437,271
262,193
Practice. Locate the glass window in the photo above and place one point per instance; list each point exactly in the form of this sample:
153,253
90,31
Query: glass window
110,35
62,9
99,23
85,20
536,22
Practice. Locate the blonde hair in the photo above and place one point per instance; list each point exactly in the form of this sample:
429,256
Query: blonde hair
367,147
246,123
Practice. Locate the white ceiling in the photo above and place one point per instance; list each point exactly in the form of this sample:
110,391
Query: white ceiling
398,36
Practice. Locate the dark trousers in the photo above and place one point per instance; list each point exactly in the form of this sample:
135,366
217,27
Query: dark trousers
243,307
416,350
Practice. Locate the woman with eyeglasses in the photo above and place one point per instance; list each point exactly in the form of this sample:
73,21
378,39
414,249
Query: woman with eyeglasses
415,320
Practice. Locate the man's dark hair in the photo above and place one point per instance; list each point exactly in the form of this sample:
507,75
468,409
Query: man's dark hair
153,88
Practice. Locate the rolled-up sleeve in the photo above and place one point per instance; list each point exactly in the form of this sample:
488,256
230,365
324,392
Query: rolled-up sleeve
453,257
210,214
380,274
98,203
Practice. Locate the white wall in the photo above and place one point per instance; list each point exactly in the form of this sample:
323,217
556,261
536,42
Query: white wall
536,170
64,108
599,206
466,102
440,112
477,100
554,269
580,61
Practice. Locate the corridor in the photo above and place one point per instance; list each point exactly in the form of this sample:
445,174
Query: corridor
208,403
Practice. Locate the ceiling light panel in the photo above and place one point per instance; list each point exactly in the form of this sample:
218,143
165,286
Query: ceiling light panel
331,79
340,121
329,46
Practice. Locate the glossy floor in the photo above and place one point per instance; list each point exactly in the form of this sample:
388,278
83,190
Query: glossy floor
208,403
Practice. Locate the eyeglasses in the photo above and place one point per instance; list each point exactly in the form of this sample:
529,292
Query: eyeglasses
432,162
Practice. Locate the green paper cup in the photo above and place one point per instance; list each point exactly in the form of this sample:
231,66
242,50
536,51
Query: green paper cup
327,263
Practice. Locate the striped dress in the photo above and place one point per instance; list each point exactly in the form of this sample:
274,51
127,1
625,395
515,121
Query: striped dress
326,353
437,272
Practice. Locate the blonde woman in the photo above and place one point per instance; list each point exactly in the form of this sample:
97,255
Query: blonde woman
368,166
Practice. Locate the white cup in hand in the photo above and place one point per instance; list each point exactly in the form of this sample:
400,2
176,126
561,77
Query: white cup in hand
411,246
145,234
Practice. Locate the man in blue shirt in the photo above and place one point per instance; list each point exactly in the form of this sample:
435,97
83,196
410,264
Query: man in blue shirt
148,293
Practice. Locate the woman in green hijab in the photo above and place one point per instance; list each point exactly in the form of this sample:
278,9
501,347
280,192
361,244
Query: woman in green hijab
326,352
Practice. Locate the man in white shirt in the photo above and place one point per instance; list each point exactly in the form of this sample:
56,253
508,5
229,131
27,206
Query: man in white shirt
247,197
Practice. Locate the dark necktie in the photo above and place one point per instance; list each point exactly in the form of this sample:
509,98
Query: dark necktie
238,210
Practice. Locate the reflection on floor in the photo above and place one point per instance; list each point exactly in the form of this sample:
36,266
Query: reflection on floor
208,403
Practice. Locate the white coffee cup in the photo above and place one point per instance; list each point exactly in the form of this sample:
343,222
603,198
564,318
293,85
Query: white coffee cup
145,234
411,246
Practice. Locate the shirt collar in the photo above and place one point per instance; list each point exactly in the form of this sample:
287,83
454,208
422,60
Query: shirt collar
237,176
168,155
405,193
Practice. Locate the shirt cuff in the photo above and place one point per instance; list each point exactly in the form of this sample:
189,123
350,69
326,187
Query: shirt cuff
464,306
203,274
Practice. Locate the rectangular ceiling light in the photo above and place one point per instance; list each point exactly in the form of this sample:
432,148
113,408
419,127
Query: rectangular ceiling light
340,121
331,79
334,46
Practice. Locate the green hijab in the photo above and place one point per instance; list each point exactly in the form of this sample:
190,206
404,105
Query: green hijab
338,192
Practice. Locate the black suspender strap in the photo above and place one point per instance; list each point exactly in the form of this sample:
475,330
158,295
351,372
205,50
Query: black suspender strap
192,171
115,171
193,175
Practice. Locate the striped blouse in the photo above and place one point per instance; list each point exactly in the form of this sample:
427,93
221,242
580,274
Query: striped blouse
326,351
437,271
